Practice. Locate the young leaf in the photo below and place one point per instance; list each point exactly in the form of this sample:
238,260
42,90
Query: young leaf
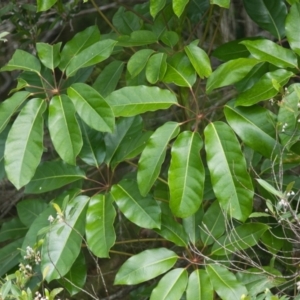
156,67
192,225
138,61
230,179
64,129
154,154
99,229
171,286
24,144
49,54
134,100
91,107
292,24
186,175
221,3
43,5
268,187
143,211
178,6
156,6
145,266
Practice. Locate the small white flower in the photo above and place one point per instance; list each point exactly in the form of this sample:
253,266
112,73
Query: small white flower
50,219
266,210
283,203
28,267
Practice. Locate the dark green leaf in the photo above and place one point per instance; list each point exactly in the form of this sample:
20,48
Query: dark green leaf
192,225
12,230
170,38
156,67
137,38
138,61
292,24
126,22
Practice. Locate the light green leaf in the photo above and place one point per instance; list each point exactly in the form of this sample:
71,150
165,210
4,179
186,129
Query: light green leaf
154,154
199,286
137,38
171,286
230,72
43,5
64,129
266,50
268,187
199,59
169,38
99,229
10,106
225,283
143,211
63,241
138,61
134,100
24,144
145,266
156,67
24,61
12,229
53,175
91,107
292,24
156,6
49,54
229,176
192,225
186,175
90,56
221,3
178,6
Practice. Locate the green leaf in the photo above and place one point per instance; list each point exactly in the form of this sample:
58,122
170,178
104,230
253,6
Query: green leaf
63,241
199,59
91,107
240,238
24,145
64,129
99,229
230,72
137,38
12,229
225,283
126,22
199,286
171,286
53,175
108,79
154,154
134,100
169,38
180,71
145,266
156,67
24,61
138,61
263,89
186,175
79,42
266,50
49,54
10,106
43,5
90,56
191,226
273,239
292,23
178,6
268,14
156,6
30,209
143,211
268,187
229,176
221,3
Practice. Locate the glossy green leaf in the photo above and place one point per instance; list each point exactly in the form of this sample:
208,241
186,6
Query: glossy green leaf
79,42
99,229
134,100
91,107
10,106
145,266
178,6
63,241
43,5
266,50
199,59
213,224
154,155
180,71
64,129
292,24
137,38
264,88
239,238
24,145
126,22
268,14
229,176
192,225
186,175
225,283
156,67
12,229
143,211
53,175
171,286
108,79
90,56
221,3
156,6
230,72
28,210
199,286
169,38
49,54
138,61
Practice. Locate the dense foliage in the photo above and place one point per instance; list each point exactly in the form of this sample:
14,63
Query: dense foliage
123,144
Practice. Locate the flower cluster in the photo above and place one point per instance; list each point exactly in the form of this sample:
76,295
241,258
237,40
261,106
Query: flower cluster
39,296
32,255
284,127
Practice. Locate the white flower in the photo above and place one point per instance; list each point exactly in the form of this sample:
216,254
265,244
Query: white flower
50,219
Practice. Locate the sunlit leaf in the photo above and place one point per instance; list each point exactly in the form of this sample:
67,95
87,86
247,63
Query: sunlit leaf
43,5
178,6
292,24
49,54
